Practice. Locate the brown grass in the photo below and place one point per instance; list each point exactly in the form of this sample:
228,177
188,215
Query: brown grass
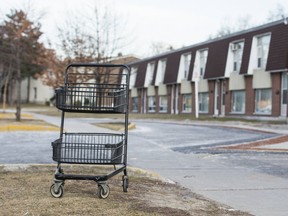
26,192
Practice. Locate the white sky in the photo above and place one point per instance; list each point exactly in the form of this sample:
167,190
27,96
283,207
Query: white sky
176,22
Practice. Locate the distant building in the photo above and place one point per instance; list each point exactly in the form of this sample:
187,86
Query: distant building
242,74
34,91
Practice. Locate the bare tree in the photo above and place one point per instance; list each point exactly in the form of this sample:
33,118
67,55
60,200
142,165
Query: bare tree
243,23
228,27
277,13
160,47
96,36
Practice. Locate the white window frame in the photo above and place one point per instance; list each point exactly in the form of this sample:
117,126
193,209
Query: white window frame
184,67
236,99
161,69
149,74
186,108
203,55
262,105
133,75
187,60
263,43
237,50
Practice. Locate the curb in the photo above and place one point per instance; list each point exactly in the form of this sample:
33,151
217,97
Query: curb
132,171
131,126
24,127
27,127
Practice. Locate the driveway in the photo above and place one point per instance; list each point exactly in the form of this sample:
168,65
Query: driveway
252,181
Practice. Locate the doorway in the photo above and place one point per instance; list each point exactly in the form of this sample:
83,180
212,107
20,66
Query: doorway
284,95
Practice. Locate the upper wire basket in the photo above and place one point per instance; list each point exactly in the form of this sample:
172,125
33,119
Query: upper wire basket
93,89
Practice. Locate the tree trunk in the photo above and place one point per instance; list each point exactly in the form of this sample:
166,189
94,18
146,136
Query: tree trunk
28,89
6,89
5,96
18,102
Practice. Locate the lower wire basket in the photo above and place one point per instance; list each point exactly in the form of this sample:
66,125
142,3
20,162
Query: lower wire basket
89,148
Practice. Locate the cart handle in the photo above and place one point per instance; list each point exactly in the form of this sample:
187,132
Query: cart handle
96,65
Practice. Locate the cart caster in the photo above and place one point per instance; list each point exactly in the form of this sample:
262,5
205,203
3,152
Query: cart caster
125,184
103,191
57,192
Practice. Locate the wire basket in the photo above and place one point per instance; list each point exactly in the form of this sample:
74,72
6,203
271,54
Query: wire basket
89,148
92,98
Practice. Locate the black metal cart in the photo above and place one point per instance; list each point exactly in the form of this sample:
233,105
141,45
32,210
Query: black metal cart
92,88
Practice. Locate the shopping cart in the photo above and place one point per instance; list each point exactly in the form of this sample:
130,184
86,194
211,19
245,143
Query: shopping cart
92,88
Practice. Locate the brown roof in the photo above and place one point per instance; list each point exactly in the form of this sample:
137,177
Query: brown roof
172,66
278,53
141,73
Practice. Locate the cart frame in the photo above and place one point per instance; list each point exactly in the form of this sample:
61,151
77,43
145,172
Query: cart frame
92,148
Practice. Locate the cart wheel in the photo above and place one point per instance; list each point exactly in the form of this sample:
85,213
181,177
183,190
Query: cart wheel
103,191
57,193
125,185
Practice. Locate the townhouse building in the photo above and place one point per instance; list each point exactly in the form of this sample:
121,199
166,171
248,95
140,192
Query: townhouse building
242,74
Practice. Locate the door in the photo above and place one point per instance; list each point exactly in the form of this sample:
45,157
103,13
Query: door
284,95
223,93
216,98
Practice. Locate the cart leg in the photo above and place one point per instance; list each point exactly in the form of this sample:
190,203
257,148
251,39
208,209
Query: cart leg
59,169
125,172
125,181
57,188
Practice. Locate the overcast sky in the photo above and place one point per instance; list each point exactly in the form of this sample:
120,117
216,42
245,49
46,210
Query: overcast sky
175,22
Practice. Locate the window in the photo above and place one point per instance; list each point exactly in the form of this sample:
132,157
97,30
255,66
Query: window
184,66
203,102
187,59
238,102
187,103
284,88
263,43
237,49
134,104
203,60
263,102
133,77
163,104
162,68
151,104
149,74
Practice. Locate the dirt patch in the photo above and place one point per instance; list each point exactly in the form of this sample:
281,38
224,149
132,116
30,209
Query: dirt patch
260,145
117,126
24,190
